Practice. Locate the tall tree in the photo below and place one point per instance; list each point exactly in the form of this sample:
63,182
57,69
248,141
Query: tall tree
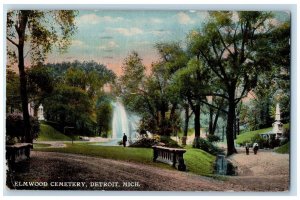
36,31
234,46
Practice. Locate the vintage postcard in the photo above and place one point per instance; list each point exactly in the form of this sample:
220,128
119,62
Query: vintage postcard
148,100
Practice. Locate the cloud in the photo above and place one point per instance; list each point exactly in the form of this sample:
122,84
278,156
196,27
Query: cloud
78,43
156,21
95,19
108,46
127,31
273,22
160,32
106,37
183,18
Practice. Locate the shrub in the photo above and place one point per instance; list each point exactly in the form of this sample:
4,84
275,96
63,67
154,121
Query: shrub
260,141
15,128
156,140
144,142
169,142
120,142
207,146
213,138
104,134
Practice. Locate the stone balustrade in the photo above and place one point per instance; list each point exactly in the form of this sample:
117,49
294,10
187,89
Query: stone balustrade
171,156
18,152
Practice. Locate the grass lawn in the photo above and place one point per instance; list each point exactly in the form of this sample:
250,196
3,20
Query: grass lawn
48,133
196,160
284,148
40,145
199,161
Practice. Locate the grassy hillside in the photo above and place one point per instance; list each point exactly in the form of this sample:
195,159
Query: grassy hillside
246,137
196,160
48,133
284,148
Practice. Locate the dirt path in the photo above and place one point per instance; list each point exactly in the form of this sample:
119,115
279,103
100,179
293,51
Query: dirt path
262,172
59,168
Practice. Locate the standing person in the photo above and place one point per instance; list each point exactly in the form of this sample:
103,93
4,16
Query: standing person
247,149
255,148
124,140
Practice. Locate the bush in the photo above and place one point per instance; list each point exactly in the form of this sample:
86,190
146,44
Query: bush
120,142
15,128
207,146
169,142
144,142
156,140
213,138
262,142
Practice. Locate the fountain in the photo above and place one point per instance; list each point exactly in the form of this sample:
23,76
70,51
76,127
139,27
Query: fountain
123,122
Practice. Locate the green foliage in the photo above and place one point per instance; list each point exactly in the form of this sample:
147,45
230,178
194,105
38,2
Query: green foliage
249,137
284,149
231,46
40,82
15,127
13,99
134,72
149,142
213,138
78,99
42,38
262,142
207,146
144,142
48,133
169,142
31,28
103,74
104,113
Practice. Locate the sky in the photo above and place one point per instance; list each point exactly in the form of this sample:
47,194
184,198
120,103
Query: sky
108,37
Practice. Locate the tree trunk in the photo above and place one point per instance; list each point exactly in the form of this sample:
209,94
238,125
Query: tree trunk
23,79
210,126
172,113
230,122
197,120
214,124
186,120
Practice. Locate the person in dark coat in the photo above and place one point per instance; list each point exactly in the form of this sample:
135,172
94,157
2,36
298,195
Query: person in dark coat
247,149
124,140
255,148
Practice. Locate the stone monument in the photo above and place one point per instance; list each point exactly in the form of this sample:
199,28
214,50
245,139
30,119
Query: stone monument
277,125
41,113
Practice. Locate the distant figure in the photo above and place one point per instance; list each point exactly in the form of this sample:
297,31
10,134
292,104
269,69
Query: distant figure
255,148
124,140
247,149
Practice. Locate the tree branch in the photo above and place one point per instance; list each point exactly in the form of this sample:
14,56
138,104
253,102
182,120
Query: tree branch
12,41
223,42
213,106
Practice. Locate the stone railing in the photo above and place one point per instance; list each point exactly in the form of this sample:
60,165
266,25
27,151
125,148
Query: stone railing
171,156
18,152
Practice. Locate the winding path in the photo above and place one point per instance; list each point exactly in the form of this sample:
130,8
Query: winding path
96,172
